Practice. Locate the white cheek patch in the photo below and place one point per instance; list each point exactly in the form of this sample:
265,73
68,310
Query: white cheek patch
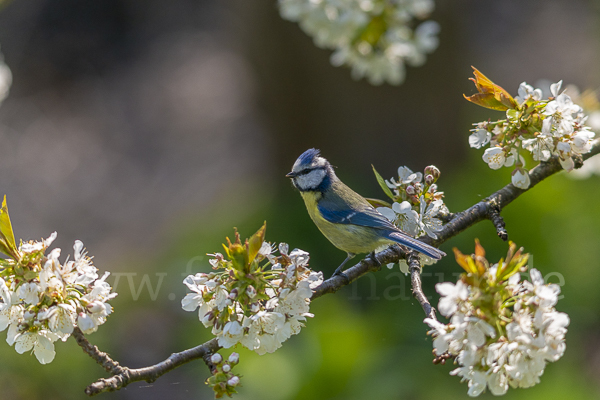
312,180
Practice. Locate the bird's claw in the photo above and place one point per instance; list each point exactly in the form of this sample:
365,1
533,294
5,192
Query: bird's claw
341,273
374,258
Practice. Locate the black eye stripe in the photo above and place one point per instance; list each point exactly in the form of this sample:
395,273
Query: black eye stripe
306,171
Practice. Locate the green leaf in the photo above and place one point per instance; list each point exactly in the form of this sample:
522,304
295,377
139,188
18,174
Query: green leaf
256,241
514,266
378,203
490,95
381,182
7,238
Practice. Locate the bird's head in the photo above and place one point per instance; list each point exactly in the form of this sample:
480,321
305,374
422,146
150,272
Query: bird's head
310,171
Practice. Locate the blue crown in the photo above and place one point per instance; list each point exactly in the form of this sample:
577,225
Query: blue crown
308,156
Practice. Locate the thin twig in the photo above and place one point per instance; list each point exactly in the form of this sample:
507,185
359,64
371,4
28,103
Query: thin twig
414,267
497,220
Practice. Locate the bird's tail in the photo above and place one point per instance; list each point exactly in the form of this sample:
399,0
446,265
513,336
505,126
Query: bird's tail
417,245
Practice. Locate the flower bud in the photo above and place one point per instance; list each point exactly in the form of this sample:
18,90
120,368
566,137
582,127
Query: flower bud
410,190
216,358
233,381
226,368
234,358
429,179
433,171
418,187
233,294
250,291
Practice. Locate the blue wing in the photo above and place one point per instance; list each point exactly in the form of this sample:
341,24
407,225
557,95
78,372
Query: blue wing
338,211
355,210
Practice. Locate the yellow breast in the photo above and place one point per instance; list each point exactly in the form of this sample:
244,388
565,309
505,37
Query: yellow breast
347,237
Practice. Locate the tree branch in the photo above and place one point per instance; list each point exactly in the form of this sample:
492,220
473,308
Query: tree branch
111,366
486,209
152,373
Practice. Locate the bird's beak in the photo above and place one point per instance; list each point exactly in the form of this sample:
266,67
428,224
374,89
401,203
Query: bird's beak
291,175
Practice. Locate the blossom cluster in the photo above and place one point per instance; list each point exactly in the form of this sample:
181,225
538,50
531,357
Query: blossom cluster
417,207
376,38
43,300
223,381
253,297
503,330
5,79
544,128
590,103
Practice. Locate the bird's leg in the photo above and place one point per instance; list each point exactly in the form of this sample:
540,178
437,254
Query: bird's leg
338,271
375,260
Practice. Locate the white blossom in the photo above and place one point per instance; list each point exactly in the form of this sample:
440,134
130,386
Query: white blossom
495,157
428,218
41,342
339,25
540,147
528,92
535,334
61,319
520,178
29,293
5,79
452,295
403,216
232,333
479,138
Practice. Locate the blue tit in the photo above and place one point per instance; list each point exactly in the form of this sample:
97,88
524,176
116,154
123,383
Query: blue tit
346,218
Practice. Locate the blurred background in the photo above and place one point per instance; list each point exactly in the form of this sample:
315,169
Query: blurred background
149,130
